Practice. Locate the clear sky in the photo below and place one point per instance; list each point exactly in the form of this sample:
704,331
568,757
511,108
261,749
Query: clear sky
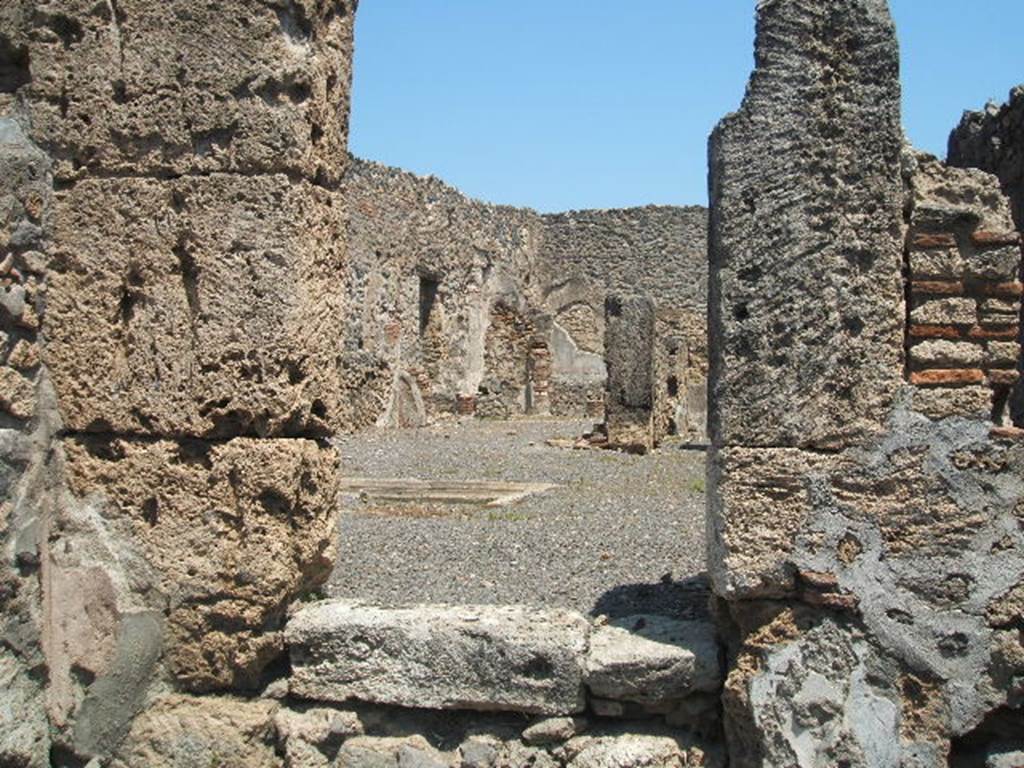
560,104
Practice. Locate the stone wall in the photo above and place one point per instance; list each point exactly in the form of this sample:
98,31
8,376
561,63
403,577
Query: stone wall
864,507
435,280
993,140
658,251
515,322
170,317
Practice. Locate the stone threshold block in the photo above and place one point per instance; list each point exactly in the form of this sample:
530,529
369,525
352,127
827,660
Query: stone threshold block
200,306
500,658
653,660
488,658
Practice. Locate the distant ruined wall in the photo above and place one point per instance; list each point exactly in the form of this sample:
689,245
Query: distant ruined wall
864,509
516,324
429,272
658,251
993,140
169,326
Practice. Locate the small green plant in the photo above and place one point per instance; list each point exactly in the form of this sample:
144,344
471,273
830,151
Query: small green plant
697,485
507,517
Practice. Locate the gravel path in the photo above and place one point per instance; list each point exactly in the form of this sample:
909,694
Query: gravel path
621,534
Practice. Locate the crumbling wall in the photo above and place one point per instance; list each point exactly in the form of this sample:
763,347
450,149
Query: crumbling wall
993,140
409,236
405,232
170,325
658,251
863,507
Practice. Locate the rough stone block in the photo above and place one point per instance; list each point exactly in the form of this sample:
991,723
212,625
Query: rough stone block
972,402
181,731
137,87
806,239
1001,354
505,658
760,499
958,311
653,660
947,354
994,264
629,351
629,344
938,263
197,306
631,751
220,537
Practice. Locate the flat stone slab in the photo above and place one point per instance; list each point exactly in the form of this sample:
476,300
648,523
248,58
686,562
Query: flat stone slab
489,658
485,492
653,659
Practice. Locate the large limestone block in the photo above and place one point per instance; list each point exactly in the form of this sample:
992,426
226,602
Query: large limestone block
197,306
653,659
223,536
141,87
506,658
806,232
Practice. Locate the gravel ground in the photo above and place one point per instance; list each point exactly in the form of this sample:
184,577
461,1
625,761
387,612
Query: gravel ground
621,534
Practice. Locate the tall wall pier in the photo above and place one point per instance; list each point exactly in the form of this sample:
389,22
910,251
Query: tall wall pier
864,492
170,218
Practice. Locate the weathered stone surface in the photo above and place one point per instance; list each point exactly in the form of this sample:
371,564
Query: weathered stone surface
151,88
992,140
652,659
221,537
186,732
440,657
629,348
24,730
29,420
801,697
389,752
758,502
942,403
197,306
630,751
947,354
553,730
806,233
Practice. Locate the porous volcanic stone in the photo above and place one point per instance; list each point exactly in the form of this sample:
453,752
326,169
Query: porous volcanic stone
228,534
196,307
137,87
806,235
508,658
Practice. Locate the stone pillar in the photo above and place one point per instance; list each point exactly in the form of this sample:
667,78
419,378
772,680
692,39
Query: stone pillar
629,355
189,260
863,513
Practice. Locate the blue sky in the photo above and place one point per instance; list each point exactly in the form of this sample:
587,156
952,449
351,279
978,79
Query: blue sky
559,104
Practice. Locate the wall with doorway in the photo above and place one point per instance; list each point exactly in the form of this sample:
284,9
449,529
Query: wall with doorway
498,310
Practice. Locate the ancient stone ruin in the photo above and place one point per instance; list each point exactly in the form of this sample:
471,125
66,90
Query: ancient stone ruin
202,289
